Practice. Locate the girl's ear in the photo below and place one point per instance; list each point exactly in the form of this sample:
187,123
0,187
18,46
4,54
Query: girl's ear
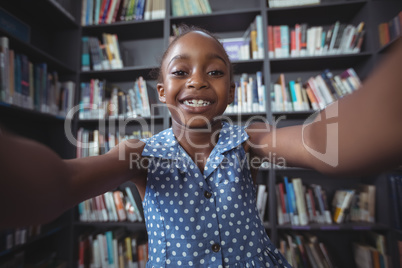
231,92
161,92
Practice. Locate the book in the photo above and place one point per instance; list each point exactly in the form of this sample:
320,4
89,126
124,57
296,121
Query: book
371,197
300,201
262,196
4,69
85,56
340,204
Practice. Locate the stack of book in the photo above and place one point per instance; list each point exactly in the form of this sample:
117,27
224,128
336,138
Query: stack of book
299,204
94,142
390,30
189,8
110,11
249,95
315,93
112,206
32,85
113,248
97,55
134,102
305,251
249,46
302,41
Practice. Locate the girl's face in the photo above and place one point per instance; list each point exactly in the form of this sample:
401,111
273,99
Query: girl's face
196,80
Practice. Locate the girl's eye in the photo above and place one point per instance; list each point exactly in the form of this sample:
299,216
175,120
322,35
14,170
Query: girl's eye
179,73
215,73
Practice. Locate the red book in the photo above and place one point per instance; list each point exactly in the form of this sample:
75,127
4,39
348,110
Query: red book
277,41
271,50
282,197
102,10
118,200
293,50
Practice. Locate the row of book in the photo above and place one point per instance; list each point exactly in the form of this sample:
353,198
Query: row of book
249,95
300,204
390,30
305,251
395,188
32,85
94,142
96,12
189,8
249,46
101,55
99,101
291,3
301,40
371,251
315,93
112,206
12,238
113,248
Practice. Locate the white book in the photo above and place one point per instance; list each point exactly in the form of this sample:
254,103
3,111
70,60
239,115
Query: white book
300,201
260,198
324,89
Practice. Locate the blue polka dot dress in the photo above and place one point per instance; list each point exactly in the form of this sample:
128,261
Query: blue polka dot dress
204,219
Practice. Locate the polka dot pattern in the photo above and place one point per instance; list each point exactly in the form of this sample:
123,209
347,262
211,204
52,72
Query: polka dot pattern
204,219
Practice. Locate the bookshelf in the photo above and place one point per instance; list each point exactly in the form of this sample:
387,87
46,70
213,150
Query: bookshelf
141,43
54,44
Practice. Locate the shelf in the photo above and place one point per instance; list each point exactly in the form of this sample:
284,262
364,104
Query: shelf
128,30
126,120
326,12
358,226
388,46
297,115
317,63
36,55
15,112
109,225
119,75
32,241
223,21
60,10
247,66
50,11
258,116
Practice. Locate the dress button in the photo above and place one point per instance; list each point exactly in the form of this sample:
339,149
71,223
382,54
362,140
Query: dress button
216,247
207,194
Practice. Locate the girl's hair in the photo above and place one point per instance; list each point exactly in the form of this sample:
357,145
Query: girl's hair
184,29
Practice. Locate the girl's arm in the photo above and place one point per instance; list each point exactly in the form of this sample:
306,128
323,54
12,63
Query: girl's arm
37,186
360,133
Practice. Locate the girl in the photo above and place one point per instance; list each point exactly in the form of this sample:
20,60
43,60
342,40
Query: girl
196,184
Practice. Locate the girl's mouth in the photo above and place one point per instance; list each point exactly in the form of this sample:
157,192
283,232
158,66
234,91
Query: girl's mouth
196,103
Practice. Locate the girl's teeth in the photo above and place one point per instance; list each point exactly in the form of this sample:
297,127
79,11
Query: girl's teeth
196,103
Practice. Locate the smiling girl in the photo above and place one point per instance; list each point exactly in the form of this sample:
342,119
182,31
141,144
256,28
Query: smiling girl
197,188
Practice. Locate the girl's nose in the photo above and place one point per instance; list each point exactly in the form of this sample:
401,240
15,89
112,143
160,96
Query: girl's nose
197,81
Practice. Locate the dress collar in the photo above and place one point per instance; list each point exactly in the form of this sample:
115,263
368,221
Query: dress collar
165,144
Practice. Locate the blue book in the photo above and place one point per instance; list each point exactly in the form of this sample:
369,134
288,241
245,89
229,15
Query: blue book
288,196
109,243
394,201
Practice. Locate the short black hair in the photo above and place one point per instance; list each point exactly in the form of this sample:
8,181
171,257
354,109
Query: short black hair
184,29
